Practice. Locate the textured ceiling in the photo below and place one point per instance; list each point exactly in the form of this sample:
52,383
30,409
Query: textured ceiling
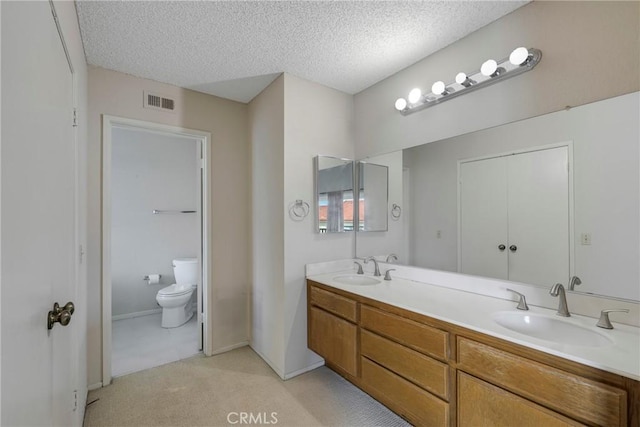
234,49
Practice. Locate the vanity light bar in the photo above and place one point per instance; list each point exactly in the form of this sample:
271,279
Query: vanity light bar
520,61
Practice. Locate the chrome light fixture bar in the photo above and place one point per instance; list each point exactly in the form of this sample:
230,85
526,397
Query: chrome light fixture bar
520,61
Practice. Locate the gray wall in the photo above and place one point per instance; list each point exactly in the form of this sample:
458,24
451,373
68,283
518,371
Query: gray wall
150,171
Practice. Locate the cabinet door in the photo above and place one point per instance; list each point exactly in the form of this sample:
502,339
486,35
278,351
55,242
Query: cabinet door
538,194
483,218
335,339
482,404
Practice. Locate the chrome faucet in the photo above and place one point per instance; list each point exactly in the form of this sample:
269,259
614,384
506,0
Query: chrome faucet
376,271
558,291
392,258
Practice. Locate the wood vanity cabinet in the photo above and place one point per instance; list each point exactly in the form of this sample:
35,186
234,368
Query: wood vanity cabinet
332,331
404,365
483,404
580,398
433,373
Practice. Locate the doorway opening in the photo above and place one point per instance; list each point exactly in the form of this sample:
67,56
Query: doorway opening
155,220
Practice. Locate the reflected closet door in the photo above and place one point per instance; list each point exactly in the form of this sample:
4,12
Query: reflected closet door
538,194
483,218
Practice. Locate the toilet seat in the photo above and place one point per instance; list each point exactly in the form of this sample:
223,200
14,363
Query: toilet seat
175,290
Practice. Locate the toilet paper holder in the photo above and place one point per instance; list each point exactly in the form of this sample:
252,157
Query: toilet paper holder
147,278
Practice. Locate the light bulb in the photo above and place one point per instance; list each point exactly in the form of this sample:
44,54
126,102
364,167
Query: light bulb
489,67
461,78
438,88
401,104
414,95
519,56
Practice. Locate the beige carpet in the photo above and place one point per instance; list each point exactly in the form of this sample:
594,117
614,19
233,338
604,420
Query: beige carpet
235,388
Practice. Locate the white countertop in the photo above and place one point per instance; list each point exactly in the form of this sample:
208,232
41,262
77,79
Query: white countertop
474,311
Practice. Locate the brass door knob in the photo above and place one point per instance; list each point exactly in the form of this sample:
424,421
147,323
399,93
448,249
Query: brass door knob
60,314
64,318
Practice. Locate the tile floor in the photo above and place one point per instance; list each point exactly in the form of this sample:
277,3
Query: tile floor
141,343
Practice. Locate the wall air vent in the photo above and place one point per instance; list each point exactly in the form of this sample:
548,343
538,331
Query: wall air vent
156,101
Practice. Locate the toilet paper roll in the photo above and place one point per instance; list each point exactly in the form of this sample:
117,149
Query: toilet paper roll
153,279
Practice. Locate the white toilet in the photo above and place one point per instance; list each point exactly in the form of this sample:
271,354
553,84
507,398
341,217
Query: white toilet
175,300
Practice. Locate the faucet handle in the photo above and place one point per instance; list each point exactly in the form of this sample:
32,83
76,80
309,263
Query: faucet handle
604,321
387,274
522,303
360,270
556,289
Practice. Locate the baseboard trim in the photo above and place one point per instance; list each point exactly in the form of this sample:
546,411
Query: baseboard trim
136,314
303,370
229,348
94,386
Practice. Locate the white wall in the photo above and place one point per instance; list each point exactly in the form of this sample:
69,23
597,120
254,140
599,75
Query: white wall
150,171
266,121
589,53
606,173
121,95
292,121
317,120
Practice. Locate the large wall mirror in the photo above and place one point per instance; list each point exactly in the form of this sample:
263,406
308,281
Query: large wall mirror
334,203
535,201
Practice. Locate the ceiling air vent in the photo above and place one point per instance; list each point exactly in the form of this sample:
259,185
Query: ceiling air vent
156,101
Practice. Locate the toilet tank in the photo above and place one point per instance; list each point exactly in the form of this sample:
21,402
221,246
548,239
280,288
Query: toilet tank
186,271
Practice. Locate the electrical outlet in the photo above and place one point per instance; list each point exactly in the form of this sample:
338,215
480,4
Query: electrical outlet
585,238
439,234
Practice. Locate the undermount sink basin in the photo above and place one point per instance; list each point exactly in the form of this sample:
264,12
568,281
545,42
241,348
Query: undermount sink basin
356,279
550,329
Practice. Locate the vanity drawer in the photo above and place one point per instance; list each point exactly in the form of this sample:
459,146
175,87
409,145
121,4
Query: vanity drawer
483,404
406,399
577,397
333,303
409,364
422,338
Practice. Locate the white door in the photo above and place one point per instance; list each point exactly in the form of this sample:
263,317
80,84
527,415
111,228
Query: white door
483,218
38,222
539,217
514,217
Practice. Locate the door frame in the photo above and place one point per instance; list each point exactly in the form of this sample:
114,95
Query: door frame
108,124
569,145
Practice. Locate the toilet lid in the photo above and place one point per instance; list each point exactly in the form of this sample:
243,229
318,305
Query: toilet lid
176,290
185,261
